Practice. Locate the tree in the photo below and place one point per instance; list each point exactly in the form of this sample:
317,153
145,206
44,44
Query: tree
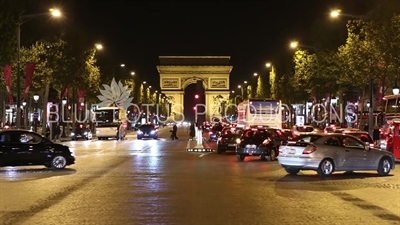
142,96
249,92
261,87
272,82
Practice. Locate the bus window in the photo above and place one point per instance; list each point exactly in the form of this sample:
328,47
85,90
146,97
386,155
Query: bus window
391,106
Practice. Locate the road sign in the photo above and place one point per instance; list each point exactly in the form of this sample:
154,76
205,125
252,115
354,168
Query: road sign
36,115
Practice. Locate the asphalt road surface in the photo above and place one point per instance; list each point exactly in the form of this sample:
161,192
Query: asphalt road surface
158,182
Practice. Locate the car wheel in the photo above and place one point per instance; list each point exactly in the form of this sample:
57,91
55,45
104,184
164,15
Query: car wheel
384,166
326,168
58,162
292,171
240,157
219,150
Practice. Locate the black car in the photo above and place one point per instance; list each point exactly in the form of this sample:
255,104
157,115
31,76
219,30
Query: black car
24,148
215,132
147,131
81,133
263,142
229,139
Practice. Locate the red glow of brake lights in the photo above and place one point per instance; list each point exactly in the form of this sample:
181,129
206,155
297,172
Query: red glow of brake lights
309,149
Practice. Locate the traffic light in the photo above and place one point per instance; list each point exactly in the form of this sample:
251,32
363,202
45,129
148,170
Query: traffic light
196,96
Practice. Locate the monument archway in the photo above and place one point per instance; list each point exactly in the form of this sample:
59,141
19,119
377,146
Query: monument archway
177,72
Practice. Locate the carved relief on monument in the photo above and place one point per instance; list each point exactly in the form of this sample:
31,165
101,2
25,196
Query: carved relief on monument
186,81
218,83
170,83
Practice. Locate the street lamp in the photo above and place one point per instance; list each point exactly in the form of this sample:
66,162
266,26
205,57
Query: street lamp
396,89
196,96
132,73
149,86
255,74
35,114
233,91
335,13
122,65
144,82
23,19
368,104
239,86
245,82
64,101
24,103
294,44
268,65
99,46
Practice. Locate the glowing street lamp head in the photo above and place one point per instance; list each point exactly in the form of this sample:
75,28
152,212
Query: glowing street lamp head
55,12
144,82
196,96
132,73
255,74
239,86
335,13
233,91
268,65
245,82
122,65
99,46
294,44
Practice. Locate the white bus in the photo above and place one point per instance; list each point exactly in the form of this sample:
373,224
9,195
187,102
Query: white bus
260,112
107,120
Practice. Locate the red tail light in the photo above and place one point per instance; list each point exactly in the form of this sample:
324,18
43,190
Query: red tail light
309,149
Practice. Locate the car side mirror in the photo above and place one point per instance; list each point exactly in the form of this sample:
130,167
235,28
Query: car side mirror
367,146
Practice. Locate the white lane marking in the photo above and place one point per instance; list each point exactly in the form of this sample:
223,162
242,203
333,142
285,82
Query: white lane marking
204,154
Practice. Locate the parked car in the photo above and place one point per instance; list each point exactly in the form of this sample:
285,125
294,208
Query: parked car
24,148
262,142
230,137
147,131
329,153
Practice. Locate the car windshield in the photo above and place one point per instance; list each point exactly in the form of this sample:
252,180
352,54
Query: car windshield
305,129
363,137
256,134
147,127
306,138
229,131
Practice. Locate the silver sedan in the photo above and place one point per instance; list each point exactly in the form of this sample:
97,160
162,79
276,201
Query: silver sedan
326,154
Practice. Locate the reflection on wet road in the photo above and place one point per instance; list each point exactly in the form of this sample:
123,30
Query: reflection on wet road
158,182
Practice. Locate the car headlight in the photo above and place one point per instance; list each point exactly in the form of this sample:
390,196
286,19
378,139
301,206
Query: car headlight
153,132
140,132
85,133
97,131
72,134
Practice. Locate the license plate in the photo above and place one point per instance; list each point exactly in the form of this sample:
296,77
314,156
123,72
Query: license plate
233,145
250,153
292,151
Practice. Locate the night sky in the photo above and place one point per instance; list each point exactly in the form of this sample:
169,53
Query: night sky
137,32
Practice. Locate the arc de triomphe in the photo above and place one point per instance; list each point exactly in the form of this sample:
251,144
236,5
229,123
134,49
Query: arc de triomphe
177,72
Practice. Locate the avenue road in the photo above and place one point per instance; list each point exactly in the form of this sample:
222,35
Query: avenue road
158,182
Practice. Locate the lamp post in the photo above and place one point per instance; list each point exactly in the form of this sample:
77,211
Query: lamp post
35,113
24,113
23,19
64,102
